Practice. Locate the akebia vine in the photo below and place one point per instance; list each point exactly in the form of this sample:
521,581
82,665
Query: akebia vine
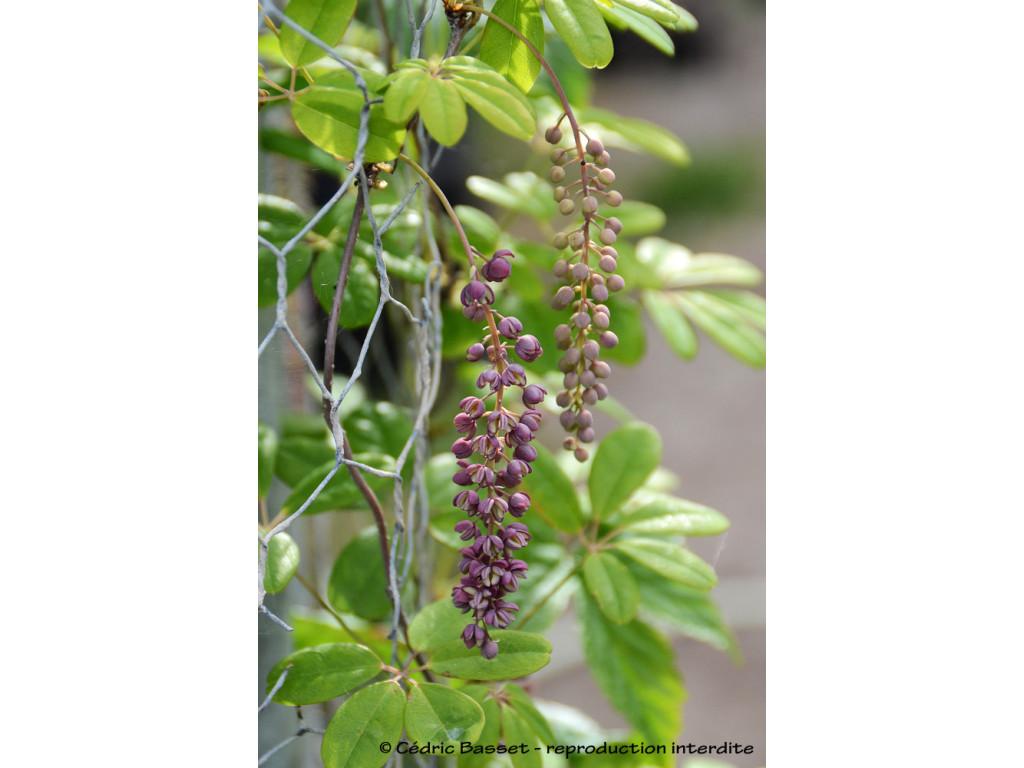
454,445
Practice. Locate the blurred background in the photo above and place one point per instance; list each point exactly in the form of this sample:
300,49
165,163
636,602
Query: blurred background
710,411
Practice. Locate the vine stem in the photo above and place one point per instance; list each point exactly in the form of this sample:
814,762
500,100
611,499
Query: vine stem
330,343
530,614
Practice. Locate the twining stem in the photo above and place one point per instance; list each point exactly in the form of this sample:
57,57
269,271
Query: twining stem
530,614
444,202
328,607
331,341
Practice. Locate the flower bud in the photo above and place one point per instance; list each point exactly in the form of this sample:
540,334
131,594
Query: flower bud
601,369
606,176
566,207
614,224
572,356
602,391
567,419
553,135
558,156
588,378
510,328
489,649
563,297
563,399
559,194
607,263
601,320
595,147
576,240
591,349
560,241
518,503
608,339
563,333
476,292
581,454
584,418
475,352
580,271
600,292
525,452
561,268
603,159
616,283
556,174
570,380
589,204
534,394
614,199
528,348
496,269
589,396
586,435
581,319
607,236
569,443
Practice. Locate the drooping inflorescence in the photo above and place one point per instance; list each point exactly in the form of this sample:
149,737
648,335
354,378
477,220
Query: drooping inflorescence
494,453
586,288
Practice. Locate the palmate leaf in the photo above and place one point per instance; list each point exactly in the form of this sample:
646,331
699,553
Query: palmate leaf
443,111
673,561
624,460
507,53
524,192
519,654
489,93
728,328
552,495
612,586
323,672
674,328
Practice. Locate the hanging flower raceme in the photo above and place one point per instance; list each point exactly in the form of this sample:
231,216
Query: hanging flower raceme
587,288
494,454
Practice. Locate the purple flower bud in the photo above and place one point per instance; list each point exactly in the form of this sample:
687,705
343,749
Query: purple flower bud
588,378
521,434
586,435
467,530
528,348
465,424
533,394
525,452
473,406
498,267
475,352
563,399
469,635
518,503
601,369
531,421
514,375
476,292
563,297
567,419
580,271
462,448
466,500
510,328
489,649
584,418
489,377
608,339
591,349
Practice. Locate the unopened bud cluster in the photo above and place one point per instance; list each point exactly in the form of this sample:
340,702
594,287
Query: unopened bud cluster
587,287
494,454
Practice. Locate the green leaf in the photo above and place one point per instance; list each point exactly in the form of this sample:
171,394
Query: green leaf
490,734
643,26
443,111
296,147
613,586
268,445
436,714
747,305
552,494
624,460
673,561
298,456
523,704
686,21
659,11
582,28
358,583
503,107
676,267
669,320
635,667
362,291
326,19
525,192
405,93
380,427
367,719
670,515
571,725
340,492
517,731
436,625
726,327
638,218
282,563
519,654
506,52
691,611
297,262
328,115
633,134
323,672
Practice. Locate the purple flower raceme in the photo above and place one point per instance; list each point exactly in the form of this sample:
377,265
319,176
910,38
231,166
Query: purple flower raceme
494,454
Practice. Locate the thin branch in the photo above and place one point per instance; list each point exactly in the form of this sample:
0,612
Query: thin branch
533,611
329,608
